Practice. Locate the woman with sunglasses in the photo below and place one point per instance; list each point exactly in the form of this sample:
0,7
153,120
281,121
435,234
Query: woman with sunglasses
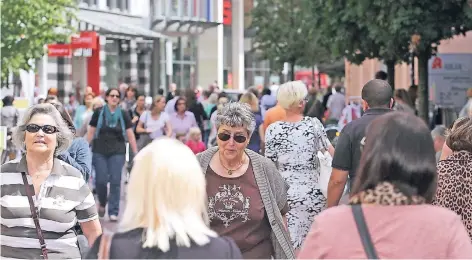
293,145
247,197
110,129
43,197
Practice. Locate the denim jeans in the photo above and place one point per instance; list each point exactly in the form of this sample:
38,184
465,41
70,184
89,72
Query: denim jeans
108,169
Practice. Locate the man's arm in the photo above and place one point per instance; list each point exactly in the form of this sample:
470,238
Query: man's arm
336,185
342,163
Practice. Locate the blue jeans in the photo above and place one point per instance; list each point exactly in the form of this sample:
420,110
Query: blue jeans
108,169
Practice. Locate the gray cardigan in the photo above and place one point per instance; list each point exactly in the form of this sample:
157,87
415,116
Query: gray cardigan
273,189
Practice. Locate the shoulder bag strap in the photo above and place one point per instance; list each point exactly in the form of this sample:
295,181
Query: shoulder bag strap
364,231
34,213
316,133
105,245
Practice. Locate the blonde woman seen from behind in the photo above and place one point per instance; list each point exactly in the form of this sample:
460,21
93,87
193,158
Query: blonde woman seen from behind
166,210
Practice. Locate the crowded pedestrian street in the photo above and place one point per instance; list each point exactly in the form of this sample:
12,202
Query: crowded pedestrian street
236,129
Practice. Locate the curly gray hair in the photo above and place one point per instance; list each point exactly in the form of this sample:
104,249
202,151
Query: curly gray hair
64,136
235,114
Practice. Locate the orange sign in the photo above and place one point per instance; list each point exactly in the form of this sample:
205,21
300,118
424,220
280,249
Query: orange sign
437,63
86,40
227,14
59,50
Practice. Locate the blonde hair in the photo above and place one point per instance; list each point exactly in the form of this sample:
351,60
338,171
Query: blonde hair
167,197
194,131
291,93
97,101
250,99
155,99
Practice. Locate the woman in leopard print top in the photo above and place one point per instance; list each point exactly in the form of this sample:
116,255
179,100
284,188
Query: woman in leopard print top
455,173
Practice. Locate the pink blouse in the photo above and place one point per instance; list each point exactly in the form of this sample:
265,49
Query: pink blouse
416,231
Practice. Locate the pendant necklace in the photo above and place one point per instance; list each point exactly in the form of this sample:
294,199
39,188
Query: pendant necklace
231,171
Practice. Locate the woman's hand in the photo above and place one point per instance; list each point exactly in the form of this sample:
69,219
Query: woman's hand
134,120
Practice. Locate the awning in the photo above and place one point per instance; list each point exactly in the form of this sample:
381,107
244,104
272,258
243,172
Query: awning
108,27
182,24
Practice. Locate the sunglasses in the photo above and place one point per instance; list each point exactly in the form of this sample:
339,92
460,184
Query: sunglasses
237,138
114,96
47,129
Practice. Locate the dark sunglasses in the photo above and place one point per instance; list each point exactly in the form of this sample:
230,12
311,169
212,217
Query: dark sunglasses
237,138
47,129
114,96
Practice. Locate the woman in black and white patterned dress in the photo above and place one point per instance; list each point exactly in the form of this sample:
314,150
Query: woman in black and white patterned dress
293,144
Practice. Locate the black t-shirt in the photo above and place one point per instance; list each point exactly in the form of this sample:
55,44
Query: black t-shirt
110,140
129,245
347,154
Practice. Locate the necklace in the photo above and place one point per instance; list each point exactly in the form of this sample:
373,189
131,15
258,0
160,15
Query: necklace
231,171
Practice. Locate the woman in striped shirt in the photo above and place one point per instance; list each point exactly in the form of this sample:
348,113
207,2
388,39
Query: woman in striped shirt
44,188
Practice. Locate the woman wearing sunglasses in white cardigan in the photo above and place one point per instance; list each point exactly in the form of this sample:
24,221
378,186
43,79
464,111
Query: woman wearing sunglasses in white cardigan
247,196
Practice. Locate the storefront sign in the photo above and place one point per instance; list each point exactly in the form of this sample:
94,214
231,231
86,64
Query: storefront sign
450,75
86,40
59,50
227,14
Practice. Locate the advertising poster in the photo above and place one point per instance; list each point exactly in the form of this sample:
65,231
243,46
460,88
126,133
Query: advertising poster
450,75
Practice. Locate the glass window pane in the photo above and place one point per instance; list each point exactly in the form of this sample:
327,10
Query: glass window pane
112,64
174,8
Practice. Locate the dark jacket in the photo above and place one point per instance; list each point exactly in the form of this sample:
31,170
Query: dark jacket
128,245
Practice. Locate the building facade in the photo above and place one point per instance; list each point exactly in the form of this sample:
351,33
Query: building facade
122,53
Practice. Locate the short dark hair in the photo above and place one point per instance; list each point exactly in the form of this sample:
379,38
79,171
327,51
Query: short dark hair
160,91
338,88
108,92
398,149
266,91
460,137
8,100
382,75
377,93
177,102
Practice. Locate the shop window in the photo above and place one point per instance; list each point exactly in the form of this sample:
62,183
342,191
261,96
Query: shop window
123,5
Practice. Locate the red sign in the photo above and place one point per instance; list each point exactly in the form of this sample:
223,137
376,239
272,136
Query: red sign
86,40
227,13
59,50
437,63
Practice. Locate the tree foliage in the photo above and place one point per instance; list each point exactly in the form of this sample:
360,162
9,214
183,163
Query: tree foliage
285,33
431,21
27,25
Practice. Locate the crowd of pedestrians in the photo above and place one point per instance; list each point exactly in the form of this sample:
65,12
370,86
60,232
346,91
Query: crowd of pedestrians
214,178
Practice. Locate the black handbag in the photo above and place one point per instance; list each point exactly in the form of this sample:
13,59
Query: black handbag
364,232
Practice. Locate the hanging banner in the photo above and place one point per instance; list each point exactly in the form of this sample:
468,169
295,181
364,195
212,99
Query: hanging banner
450,75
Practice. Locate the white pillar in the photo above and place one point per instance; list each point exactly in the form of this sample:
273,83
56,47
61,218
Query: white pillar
237,35
220,41
43,75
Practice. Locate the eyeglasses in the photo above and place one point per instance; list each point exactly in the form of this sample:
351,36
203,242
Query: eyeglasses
114,96
47,129
237,138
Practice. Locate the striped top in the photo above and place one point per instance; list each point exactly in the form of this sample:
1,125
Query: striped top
64,198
